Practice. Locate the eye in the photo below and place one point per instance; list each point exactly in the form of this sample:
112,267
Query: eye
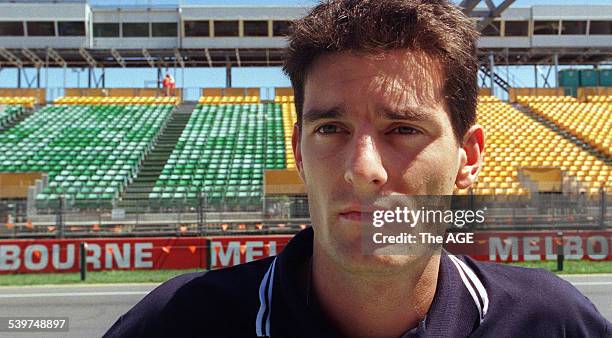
328,129
405,130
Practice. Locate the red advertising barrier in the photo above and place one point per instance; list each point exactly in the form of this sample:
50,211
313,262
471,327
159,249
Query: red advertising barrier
518,246
47,255
233,250
42,255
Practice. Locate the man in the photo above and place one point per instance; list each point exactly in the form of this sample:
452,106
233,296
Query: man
169,84
385,94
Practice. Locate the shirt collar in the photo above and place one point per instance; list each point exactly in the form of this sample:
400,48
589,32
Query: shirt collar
452,312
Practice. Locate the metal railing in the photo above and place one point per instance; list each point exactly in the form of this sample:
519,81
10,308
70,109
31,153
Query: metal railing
189,94
285,214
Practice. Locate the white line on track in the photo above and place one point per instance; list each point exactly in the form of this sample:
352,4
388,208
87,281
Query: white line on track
72,294
591,283
141,293
92,285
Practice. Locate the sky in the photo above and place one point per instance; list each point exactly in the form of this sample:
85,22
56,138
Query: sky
192,79
517,3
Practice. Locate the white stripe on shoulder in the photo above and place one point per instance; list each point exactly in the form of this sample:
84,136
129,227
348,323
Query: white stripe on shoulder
270,287
467,285
478,284
262,302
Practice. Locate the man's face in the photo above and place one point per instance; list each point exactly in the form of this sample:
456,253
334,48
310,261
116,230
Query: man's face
373,126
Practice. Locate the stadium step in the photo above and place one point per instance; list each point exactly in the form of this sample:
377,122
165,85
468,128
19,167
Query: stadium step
564,133
135,197
22,116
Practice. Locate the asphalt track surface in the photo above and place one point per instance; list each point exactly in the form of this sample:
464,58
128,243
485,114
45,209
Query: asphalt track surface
92,309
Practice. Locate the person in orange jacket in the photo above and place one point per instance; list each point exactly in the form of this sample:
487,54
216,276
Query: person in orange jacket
169,85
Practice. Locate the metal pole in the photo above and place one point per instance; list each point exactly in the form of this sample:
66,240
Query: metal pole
204,210
159,76
19,77
508,71
209,253
89,75
180,211
83,265
556,60
183,83
492,66
602,207
37,77
47,70
560,252
228,75
200,215
60,220
535,76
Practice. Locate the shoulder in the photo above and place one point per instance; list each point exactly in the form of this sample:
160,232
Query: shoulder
214,301
537,301
538,286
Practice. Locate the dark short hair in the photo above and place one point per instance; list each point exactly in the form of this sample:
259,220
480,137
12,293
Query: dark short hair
435,27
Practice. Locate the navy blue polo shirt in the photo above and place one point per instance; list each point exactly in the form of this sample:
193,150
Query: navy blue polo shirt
268,298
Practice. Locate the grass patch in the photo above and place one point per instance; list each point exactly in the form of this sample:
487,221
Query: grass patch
158,276
570,267
114,276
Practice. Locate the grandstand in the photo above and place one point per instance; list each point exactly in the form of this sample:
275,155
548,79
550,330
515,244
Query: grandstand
126,161
590,121
222,153
517,141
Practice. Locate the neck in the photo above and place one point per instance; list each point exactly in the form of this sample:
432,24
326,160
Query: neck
381,305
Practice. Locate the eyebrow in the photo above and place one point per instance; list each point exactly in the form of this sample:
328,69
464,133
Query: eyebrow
410,114
313,115
404,114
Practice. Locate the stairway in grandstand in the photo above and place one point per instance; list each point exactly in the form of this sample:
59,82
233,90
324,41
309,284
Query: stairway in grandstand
566,134
221,156
12,115
499,81
90,148
136,195
570,118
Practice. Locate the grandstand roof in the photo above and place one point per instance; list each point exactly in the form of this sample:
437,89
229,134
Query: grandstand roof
77,34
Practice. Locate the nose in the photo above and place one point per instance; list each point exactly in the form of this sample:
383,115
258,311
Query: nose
364,167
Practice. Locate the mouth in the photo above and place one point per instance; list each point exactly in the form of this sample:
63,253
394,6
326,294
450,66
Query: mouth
355,215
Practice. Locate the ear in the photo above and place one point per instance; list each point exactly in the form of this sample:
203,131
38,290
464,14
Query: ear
471,157
297,151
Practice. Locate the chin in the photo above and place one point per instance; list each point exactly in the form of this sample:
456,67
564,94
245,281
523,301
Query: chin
379,264
386,260
345,243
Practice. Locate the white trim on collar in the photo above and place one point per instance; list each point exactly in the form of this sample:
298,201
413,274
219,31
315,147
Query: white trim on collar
467,276
262,325
262,322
